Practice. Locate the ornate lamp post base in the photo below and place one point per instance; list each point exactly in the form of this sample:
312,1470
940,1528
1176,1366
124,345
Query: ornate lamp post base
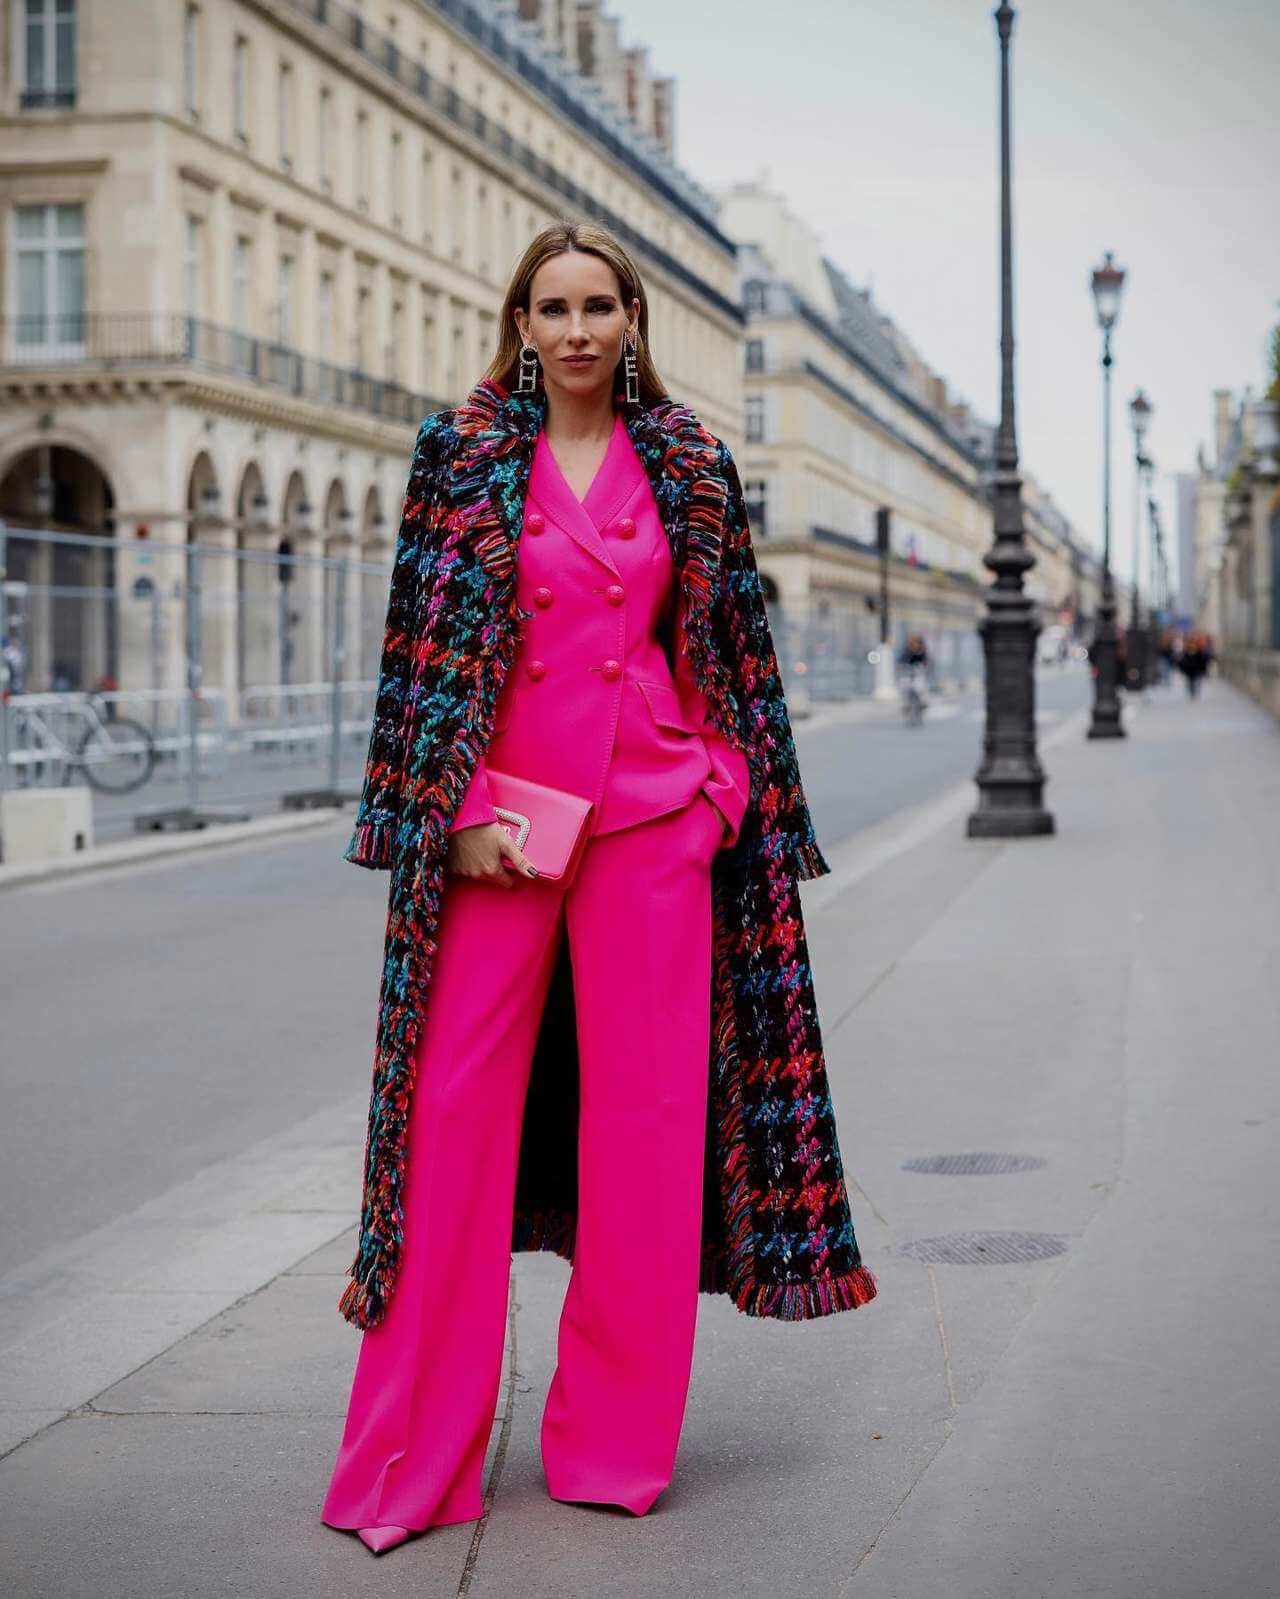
1010,823
1010,779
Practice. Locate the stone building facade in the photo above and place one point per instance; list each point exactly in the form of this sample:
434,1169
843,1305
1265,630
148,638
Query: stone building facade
245,246
1236,524
843,418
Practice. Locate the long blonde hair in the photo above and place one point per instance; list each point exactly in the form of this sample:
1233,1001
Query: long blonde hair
591,239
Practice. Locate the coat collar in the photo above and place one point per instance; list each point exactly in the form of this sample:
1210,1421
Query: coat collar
497,431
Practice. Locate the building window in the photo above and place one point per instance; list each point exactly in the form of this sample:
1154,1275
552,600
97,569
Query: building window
49,53
241,304
397,179
427,368
324,158
324,304
363,301
755,295
362,160
428,195
755,419
755,355
755,492
395,353
191,60
192,250
240,89
285,299
457,218
284,110
49,255
484,242
240,268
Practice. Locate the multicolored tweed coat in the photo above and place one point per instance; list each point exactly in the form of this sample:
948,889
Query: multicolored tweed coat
778,1236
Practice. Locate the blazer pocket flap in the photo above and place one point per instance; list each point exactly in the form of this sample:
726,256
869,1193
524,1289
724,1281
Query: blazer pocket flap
664,706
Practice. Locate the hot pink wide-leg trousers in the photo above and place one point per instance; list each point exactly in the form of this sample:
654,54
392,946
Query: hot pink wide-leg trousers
426,1385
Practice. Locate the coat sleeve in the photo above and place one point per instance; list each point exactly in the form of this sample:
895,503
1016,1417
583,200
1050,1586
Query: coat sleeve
476,806
378,809
745,642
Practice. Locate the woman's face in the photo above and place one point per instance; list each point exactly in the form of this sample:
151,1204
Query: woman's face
577,320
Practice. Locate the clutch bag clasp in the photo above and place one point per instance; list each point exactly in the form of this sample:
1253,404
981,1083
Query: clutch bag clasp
521,822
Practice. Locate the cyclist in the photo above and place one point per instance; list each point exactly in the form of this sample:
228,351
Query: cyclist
913,659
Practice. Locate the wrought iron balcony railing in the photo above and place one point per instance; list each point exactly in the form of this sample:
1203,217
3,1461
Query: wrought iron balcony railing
108,343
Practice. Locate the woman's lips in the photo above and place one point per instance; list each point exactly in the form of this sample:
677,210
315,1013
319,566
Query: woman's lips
578,360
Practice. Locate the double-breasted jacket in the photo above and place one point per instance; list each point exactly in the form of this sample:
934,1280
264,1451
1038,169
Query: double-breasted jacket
592,702
778,1235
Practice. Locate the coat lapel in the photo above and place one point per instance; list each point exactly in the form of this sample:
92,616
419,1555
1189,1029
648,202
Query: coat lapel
488,482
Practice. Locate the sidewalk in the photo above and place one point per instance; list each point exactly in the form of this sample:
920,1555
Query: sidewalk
1098,1418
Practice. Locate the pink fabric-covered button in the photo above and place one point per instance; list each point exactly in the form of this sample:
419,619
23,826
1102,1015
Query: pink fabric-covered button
626,528
535,521
611,669
542,596
615,594
536,669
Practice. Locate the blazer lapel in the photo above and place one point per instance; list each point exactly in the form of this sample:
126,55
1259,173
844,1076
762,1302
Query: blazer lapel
488,482
579,518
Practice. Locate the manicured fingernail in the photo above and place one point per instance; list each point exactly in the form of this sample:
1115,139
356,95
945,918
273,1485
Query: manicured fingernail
533,871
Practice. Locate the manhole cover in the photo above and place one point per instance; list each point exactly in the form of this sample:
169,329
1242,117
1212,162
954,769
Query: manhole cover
983,1249
973,1165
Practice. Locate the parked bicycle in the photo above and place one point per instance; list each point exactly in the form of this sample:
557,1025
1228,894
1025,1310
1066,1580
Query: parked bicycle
54,737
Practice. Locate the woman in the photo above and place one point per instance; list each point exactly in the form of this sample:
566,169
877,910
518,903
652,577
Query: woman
625,1066
1195,660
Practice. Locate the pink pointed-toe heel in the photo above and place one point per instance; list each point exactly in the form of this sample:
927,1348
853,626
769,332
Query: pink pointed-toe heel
380,1539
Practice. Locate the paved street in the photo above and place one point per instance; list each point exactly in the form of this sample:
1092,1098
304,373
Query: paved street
187,1053
189,978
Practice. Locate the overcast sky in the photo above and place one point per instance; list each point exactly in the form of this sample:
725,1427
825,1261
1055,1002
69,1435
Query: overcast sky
1147,130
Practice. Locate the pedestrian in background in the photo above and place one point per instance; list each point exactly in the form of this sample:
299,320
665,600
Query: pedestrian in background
576,619
1165,656
1194,661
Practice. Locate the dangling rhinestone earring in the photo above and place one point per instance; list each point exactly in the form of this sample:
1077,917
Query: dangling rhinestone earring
528,369
629,369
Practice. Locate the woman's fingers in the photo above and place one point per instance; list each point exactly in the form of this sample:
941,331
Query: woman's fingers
509,851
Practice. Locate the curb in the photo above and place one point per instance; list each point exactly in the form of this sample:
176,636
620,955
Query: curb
143,851
222,835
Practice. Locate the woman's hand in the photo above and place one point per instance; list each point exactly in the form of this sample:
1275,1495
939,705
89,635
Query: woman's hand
480,851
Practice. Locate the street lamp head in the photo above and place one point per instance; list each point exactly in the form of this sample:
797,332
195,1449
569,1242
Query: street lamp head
1140,415
1108,280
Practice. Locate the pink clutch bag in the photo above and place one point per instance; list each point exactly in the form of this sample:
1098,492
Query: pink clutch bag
549,825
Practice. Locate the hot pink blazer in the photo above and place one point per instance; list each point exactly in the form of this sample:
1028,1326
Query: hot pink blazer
590,703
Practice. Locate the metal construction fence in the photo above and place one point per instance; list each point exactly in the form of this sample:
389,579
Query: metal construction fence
184,674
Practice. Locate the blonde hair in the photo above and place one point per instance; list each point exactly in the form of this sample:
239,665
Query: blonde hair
590,239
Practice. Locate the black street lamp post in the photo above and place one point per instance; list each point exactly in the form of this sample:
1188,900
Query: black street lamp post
1010,778
1108,280
1160,589
1158,595
1136,662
